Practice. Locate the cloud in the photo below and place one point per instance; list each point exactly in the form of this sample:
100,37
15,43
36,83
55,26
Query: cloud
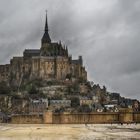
105,32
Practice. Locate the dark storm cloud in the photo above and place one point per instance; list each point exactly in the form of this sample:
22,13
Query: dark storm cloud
105,32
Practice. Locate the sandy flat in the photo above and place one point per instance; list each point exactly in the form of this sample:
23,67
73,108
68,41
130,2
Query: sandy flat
69,132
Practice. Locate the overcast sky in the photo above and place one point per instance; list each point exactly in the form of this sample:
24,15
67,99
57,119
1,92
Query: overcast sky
105,32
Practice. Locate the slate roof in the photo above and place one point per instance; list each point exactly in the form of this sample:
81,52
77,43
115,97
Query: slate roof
76,62
31,52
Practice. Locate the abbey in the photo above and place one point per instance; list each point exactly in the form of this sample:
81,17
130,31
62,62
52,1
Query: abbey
51,62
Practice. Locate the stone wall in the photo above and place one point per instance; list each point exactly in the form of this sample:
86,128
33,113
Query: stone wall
27,119
76,118
82,118
48,117
46,68
136,117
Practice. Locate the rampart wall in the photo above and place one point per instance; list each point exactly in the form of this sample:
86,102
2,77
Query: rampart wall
77,118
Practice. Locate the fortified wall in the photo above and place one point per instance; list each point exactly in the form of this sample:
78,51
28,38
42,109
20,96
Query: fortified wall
77,118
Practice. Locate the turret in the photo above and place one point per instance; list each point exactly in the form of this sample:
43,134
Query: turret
81,60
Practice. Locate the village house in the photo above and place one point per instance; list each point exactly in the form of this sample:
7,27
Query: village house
60,103
38,106
86,102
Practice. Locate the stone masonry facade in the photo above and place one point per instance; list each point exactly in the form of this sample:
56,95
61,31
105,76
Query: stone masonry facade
51,62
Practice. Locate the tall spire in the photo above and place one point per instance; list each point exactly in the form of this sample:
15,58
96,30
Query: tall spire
46,23
46,38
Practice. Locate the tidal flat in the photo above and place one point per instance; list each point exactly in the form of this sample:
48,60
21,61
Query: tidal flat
69,132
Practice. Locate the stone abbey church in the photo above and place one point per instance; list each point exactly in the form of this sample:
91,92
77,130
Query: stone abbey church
51,62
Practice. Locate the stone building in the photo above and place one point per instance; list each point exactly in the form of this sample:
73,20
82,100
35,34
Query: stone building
86,102
60,103
38,106
51,62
